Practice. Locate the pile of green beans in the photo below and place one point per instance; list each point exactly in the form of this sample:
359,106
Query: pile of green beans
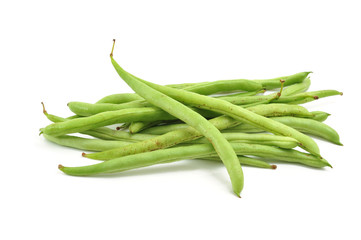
233,121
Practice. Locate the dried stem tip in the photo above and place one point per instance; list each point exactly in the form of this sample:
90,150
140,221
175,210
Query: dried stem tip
111,54
44,111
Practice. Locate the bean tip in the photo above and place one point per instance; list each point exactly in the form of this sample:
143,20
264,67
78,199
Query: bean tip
341,93
44,111
83,154
118,128
111,54
274,166
315,97
60,167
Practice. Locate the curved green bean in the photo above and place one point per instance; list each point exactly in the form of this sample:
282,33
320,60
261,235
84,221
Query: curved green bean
220,144
194,151
312,127
307,126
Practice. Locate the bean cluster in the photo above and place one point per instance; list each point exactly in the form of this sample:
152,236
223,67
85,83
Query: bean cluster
232,121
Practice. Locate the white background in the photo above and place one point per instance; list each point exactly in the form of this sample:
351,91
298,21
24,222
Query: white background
59,52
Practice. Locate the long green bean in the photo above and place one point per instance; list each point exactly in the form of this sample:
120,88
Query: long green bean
194,151
220,144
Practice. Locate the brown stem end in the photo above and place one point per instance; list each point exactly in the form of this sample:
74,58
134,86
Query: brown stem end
44,111
111,54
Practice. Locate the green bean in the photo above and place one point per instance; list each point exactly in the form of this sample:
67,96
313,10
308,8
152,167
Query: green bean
85,143
315,94
308,126
312,127
136,127
297,87
320,116
120,98
207,88
194,151
238,113
89,109
220,144
98,120
101,132
262,139
279,109
242,94
102,145
289,80
52,117
247,128
293,99
189,133
111,117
